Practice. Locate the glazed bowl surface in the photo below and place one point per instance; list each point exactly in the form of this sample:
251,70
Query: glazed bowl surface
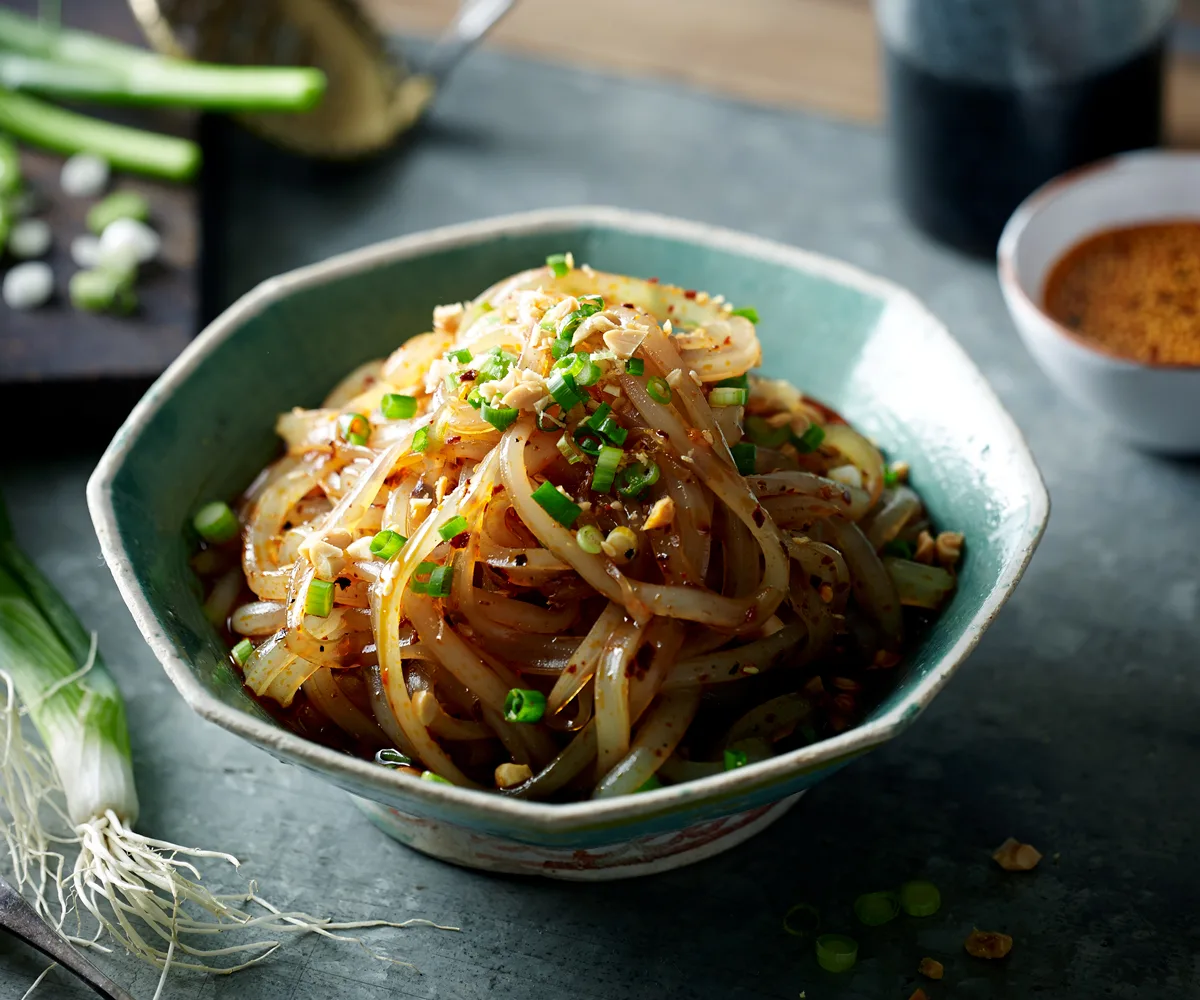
859,343
1152,406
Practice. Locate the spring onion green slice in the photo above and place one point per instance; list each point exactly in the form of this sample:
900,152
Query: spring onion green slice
633,480
836,952
920,899
560,347
461,355
395,406
500,417
613,431
391,757
596,418
453,528
591,304
635,366
570,450
496,365
801,920
10,167
737,382
387,544
745,457
215,522
590,539
749,312
546,421
810,440
319,601
419,582
557,262
118,205
590,442
573,364
606,468
420,439
659,389
735,759
726,396
899,549
890,477
524,705
562,387
570,323
435,778
242,652
590,375
354,428
440,581
876,908
649,785
564,510
764,435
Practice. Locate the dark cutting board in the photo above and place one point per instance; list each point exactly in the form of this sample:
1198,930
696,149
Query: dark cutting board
57,343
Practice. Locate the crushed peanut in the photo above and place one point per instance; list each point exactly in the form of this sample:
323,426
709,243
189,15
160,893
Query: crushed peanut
440,488
447,318
509,775
1013,856
988,944
885,659
925,549
949,548
919,994
661,514
826,593
931,968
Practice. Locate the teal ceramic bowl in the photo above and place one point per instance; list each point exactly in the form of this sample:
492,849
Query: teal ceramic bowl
859,343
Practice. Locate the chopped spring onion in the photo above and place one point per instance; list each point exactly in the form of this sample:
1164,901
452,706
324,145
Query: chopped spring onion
560,347
597,417
437,779
748,312
557,262
899,549
649,785
102,290
606,468
387,544
590,442
10,166
763,434
634,479
319,601
836,952
500,417
810,440
462,355
635,366
242,652
546,421
564,510
726,396
475,399
591,304
395,406
876,908
920,898
496,365
737,382
801,920
390,757
354,428
568,326
524,705
216,523
570,450
562,387
453,528
440,581
613,431
589,538
735,759
745,457
659,389
573,364
118,205
420,439
591,373
450,381
418,585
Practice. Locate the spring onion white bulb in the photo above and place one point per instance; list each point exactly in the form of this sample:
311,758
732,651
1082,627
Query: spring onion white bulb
29,238
84,175
130,236
85,250
28,285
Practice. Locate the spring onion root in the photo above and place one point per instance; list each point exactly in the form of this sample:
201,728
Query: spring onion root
42,124
78,794
77,65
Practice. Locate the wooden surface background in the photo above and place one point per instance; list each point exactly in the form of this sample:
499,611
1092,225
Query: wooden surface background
816,55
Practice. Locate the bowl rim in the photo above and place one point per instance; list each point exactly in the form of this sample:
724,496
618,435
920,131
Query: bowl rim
1035,203
534,816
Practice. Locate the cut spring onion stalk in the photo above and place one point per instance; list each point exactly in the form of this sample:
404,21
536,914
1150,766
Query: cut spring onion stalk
801,920
42,124
118,205
454,527
590,539
810,440
564,510
606,468
749,312
559,263
394,406
836,952
570,450
764,435
10,167
650,784
215,522
387,544
727,397
658,389
420,439
390,757
745,457
524,705
876,908
319,601
242,652
500,417
735,759
635,366
436,778
920,899
461,356
144,893
355,429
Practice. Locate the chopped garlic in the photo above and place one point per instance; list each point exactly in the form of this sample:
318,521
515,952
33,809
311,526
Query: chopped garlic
360,549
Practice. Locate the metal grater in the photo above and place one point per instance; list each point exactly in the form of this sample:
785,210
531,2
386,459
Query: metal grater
373,96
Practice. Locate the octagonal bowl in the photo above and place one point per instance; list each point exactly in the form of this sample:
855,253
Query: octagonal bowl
857,342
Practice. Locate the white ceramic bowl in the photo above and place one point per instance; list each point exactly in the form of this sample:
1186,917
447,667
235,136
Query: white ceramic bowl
1153,406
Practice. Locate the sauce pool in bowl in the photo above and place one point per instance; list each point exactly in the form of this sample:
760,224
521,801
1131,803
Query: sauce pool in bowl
1133,291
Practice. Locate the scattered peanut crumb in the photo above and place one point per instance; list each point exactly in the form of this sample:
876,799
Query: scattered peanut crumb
1013,856
749,668
826,593
926,549
919,994
441,487
988,944
508,775
661,514
931,968
885,659
949,548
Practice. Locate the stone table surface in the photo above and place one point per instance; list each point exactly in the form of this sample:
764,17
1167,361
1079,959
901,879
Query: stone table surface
1072,727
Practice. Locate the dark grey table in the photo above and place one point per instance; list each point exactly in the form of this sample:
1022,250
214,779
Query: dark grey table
1073,727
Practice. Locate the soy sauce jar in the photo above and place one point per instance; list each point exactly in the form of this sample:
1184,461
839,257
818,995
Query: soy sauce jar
988,99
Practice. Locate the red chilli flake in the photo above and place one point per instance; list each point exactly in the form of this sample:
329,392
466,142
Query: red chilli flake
689,294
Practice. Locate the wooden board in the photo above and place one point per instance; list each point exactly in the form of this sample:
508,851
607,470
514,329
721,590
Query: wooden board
57,342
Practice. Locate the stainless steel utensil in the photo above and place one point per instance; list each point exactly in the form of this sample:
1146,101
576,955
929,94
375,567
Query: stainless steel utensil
373,96
20,919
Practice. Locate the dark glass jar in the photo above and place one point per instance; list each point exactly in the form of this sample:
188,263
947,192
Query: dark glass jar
988,99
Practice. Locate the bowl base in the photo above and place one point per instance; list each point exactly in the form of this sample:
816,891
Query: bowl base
647,855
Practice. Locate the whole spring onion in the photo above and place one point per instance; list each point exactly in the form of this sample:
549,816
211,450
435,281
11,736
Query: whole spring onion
144,893
63,63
